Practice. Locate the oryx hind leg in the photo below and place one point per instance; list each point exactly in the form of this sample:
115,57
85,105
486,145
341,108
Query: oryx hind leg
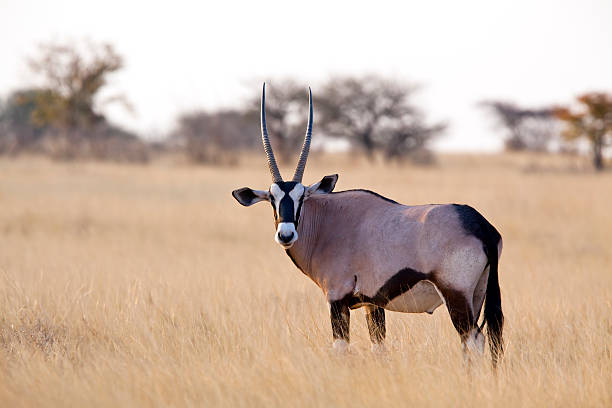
459,305
476,339
460,283
375,317
479,293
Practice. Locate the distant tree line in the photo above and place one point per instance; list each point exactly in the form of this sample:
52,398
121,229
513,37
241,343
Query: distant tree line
62,117
532,129
539,129
375,114
214,137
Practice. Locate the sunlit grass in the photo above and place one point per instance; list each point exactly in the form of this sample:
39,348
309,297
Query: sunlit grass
150,286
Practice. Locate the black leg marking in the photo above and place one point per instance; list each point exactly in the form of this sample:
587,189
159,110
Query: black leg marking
460,311
340,318
375,317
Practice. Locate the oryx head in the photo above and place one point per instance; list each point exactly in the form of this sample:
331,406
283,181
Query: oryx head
286,197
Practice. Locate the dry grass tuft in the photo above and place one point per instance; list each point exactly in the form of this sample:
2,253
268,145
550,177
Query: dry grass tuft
149,286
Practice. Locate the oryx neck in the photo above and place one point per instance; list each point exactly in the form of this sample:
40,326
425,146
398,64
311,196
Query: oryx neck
313,214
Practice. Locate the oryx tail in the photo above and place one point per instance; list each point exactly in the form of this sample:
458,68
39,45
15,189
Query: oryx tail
493,315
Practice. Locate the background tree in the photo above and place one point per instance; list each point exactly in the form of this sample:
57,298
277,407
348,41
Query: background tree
215,137
18,131
74,78
286,116
374,113
410,140
62,117
591,120
526,129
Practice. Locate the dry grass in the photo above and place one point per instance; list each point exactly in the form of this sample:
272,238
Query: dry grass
149,286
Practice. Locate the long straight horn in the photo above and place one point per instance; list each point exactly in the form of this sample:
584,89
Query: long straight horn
299,171
276,176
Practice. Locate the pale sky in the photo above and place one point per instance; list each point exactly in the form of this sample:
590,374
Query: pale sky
184,55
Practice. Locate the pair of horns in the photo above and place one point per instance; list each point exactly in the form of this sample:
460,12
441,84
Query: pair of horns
299,171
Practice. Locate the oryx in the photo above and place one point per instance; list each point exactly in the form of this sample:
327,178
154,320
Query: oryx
363,249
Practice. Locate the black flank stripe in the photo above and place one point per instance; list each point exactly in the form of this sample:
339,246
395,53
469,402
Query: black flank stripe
398,284
395,286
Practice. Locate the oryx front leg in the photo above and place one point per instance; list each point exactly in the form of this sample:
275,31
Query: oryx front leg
375,317
340,321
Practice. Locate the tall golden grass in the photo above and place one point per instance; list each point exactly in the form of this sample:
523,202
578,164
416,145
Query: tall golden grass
149,286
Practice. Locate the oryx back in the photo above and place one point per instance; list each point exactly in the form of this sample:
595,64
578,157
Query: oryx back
380,252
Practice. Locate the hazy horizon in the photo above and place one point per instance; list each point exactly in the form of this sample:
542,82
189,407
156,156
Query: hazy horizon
192,56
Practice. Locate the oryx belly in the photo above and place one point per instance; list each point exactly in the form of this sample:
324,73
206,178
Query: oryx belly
422,297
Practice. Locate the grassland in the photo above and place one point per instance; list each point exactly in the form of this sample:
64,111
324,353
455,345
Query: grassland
149,286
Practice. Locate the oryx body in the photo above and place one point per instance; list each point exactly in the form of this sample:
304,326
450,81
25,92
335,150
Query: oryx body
363,249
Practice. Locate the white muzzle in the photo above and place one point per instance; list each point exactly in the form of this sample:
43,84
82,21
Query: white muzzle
286,234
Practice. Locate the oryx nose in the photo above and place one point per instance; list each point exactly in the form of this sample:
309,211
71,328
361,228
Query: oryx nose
285,239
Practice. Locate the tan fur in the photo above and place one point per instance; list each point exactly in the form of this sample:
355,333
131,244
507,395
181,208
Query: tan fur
353,242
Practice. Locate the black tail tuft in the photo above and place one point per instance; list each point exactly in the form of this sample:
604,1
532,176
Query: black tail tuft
493,315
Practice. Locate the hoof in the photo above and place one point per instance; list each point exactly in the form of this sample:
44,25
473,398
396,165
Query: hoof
379,348
341,346
474,343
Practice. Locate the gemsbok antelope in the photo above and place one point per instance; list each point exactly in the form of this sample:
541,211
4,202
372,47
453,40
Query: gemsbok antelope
363,249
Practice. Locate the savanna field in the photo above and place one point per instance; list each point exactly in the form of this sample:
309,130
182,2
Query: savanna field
139,286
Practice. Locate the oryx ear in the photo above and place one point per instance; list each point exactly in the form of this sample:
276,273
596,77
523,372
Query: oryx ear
326,185
246,196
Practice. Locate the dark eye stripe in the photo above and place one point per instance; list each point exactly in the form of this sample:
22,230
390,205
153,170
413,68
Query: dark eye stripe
299,209
286,210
